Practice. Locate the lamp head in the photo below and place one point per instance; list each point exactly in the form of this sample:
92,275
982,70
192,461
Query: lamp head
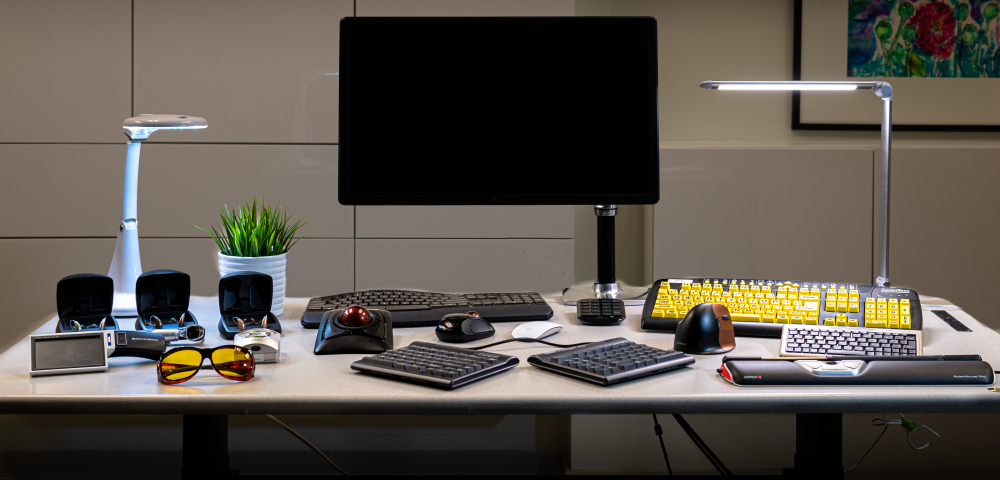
139,128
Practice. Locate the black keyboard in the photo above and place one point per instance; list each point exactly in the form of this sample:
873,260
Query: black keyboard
414,309
803,340
602,311
436,365
611,361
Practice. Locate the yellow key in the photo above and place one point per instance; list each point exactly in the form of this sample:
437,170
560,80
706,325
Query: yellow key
842,290
905,301
688,304
841,322
831,306
659,313
904,310
752,301
781,295
841,306
852,307
815,291
852,323
698,299
829,321
811,321
767,318
904,322
809,297
869,316
875,324
893,323
870,300
893,301
792,295
781,319
882,316
854,297
672,313
745,317
744,288
796,319
881,300
893,317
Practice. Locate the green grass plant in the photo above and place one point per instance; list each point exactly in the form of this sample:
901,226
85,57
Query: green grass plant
255,230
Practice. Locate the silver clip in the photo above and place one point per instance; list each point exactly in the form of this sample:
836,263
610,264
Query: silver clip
76,325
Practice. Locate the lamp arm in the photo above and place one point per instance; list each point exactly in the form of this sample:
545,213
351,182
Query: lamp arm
884,91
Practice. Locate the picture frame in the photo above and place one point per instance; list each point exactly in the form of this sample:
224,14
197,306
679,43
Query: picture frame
921,104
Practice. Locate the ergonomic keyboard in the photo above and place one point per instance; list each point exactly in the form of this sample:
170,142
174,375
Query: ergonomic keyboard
437,365
610,361
413,309
759,308
812,340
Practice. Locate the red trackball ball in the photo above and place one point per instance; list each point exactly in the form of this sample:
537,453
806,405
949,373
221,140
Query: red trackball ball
355,316
474,314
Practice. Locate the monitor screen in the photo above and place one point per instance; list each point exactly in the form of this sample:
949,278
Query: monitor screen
505,111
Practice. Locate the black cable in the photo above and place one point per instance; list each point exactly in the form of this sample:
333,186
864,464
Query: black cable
871,447
698,442
659,433
303,440
528,340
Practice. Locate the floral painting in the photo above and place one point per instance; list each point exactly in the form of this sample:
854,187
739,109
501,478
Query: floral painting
923,38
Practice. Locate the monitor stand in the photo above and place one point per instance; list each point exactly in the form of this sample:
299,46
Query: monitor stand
606,286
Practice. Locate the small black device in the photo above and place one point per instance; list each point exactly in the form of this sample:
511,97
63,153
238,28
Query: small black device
82,352
85,298
859,371
600,311
246,297
441,366
761,307
463,328
162,299
354,329
610,361
705,330
812,340
417,309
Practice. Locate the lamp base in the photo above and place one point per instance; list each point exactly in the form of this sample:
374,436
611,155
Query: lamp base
628,295
124,305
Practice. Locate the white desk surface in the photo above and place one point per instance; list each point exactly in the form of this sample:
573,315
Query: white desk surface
303,383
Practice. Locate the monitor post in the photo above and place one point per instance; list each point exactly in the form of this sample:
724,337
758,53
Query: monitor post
607,285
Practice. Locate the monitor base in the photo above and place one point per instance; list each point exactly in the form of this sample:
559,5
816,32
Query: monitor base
629,295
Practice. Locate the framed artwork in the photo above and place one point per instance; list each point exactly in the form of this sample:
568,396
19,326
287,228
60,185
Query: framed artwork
942,58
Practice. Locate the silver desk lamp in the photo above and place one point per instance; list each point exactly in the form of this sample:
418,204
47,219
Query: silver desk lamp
882,90
126,265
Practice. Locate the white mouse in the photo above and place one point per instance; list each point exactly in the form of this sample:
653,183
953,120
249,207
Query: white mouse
536,330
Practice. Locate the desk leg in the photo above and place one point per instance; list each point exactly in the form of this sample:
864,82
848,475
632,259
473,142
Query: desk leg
818,446
206,447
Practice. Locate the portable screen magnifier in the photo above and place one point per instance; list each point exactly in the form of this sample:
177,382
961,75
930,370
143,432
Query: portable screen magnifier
126,265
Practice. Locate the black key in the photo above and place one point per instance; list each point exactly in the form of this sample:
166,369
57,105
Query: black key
396,308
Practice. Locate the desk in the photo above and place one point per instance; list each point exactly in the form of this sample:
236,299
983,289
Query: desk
303,384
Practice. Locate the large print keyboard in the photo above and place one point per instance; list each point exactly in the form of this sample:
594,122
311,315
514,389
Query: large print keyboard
759,308
413,309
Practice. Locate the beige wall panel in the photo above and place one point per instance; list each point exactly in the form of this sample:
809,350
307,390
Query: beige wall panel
448,8
32,267
764,213
718,40
182,185
258,71
61,190
481,221
315,267
944,225
66,74
465,266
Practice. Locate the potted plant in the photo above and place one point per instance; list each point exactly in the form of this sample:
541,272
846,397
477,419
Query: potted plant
256,238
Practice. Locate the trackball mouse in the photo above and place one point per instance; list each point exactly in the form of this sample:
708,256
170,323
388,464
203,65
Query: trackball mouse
706,329
463,327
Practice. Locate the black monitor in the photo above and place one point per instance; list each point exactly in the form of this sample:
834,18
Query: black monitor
498,111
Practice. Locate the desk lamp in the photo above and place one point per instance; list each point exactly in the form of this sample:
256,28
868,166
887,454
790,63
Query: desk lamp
125,265
882,90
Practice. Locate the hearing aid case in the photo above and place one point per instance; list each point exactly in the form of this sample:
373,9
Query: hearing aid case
86,298
166,294
246,295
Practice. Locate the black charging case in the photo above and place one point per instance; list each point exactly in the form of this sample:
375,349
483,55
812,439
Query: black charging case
166,294
86,298
246,295
332,337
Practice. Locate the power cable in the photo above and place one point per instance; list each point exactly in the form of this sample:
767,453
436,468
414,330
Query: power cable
303,440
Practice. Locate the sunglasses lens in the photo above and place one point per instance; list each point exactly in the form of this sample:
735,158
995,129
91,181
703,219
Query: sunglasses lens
232,363
180,365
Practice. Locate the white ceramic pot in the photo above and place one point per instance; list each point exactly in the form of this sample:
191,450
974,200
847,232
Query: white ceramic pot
276,266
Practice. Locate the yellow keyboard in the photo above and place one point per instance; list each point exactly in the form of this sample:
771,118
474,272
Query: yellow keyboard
762,306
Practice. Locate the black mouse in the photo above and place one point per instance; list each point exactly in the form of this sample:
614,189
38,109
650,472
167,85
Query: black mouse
706,329
463,327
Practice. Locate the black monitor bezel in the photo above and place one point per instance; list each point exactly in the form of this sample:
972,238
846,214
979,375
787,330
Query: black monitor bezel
387,198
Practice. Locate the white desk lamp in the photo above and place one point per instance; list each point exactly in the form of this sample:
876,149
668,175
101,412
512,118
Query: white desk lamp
125,265
882,90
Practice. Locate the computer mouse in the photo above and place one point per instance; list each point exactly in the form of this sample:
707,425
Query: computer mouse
536,330
463,327
707,329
